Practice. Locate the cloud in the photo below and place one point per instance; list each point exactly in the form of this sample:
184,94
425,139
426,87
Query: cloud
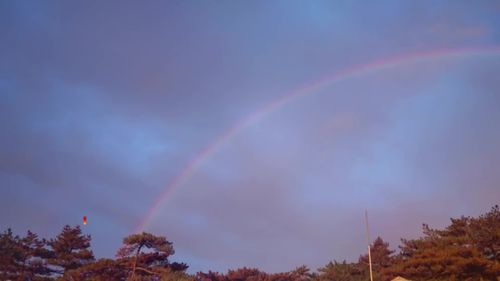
102,104
288,191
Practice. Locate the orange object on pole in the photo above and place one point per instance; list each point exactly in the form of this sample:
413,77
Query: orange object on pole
84,220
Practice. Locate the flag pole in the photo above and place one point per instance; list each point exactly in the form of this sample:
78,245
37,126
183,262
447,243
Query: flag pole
368,242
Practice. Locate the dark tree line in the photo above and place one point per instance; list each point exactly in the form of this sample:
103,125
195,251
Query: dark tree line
468,249
68,257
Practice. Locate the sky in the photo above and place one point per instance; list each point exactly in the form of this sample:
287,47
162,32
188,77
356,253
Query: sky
103,105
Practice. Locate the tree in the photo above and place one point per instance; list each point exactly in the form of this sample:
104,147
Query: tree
33,258
210,276
485,233
340,271
171,275
465,250
146,262
381,257
70,249
23,258
100,270
301,273
10,252
245,274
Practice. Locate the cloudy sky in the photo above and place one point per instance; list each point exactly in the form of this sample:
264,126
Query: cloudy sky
103,104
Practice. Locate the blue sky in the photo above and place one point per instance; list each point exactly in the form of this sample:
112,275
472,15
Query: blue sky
102,104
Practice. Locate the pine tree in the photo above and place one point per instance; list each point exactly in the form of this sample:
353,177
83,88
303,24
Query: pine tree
100,270
70,249
340,271
210,276
34,258
381,257
149,263
468,249
10,253
23,258
245,273
301,273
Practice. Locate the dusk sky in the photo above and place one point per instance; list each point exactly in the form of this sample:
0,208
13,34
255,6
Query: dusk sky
182,118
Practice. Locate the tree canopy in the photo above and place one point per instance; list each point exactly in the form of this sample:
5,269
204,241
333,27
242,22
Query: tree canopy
467,249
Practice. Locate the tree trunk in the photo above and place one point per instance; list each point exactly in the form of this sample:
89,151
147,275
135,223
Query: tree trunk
134,266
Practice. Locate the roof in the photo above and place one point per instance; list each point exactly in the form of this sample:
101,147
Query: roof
399,278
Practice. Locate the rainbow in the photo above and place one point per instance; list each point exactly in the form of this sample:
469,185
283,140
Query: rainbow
347,73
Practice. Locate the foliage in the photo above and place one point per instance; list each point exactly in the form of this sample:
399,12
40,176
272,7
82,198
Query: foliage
171,275
252,274
23,258
382,258
340,271
148,264
10,253
468,249
70,249
100,270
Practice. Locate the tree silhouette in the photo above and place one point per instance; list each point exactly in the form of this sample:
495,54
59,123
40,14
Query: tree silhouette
301,273
245,273
146,262
210,276
100,270
33,257
70,249
10,253
23,258
340,271
381,258
466,250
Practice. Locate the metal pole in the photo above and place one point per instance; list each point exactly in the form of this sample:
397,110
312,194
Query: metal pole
368,242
